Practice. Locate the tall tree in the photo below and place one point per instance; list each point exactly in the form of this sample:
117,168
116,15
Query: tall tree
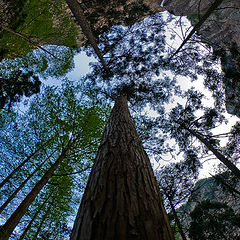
74,135
122,199
183,123
176,182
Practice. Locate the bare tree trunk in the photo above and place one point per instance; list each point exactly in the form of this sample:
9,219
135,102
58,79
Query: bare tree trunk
41,222
7,229
78,13
20,165
213,7
122,199
219,155
21,186
179,225
33,218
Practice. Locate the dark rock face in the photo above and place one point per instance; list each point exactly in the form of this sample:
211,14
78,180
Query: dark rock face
222,31
223,26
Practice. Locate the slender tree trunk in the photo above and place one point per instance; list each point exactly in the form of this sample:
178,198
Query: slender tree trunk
179,225
219,155
28,40
21,186
122,200
78,13
14,219
33,218
41,222
20,165
213,7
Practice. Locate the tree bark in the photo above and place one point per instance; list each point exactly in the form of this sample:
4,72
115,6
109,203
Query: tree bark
219,155
122,199
7,229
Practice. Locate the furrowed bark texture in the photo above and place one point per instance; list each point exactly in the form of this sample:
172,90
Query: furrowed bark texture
122,199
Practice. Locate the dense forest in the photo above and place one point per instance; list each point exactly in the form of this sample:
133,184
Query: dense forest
120,152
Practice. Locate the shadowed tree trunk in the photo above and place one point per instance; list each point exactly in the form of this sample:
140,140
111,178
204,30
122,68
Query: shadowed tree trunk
217,154
122,199
34,218
78,13
177,220
14,194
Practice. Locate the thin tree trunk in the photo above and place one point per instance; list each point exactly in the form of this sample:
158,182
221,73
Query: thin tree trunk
179,225
21,186
122,199
78,13
219,155
14,219
33,218
28,40
21,164
198,25
41,222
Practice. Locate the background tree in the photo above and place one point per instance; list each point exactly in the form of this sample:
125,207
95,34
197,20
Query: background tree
43,22
213,220
176,182
184,124
13,88
82,120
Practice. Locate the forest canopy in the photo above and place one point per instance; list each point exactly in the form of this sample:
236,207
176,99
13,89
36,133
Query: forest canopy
51,134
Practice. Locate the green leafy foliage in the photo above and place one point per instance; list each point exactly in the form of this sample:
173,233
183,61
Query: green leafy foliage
54,116
43,22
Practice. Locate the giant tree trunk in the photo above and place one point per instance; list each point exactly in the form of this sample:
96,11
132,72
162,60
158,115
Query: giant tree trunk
122,199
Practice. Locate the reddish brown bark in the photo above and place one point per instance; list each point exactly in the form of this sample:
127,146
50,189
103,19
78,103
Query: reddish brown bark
122,199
